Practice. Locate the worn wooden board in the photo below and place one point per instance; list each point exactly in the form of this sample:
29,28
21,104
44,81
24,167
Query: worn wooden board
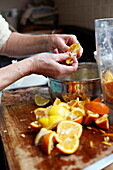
22,154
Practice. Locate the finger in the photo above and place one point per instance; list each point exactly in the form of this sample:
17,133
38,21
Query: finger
75,65
56,51
61,57
72,39
80,53
69,69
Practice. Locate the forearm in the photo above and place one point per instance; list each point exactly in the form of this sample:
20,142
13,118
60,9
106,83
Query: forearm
22,45
13,72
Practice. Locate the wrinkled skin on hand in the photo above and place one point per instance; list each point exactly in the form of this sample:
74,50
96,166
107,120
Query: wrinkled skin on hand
52,65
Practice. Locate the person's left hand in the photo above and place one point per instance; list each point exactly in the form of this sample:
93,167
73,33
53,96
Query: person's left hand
61,42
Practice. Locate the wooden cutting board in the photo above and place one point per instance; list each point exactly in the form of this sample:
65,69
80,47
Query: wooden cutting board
22,154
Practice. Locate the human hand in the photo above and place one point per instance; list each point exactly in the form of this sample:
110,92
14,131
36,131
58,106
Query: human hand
62,42
52,65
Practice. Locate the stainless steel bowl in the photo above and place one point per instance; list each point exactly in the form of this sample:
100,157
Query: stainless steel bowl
84,83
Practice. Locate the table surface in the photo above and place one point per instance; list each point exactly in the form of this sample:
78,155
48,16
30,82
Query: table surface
22,154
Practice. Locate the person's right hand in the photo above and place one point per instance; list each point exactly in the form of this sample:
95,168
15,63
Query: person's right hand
52,65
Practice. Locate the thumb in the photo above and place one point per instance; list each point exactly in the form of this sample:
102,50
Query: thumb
65,48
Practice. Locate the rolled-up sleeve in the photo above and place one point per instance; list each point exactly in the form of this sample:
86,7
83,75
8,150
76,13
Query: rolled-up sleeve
4,31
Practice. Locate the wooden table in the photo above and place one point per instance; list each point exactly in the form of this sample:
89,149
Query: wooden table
18,141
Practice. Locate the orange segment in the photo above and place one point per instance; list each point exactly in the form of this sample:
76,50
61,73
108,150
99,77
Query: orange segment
67,129
97,107
69,145
47,142
103,122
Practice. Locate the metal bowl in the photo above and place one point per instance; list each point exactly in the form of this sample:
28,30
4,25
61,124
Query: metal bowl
84,83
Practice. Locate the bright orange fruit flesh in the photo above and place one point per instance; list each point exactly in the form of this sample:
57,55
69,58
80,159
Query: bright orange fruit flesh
69,145
67,129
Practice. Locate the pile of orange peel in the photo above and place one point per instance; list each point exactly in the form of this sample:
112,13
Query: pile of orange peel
61,124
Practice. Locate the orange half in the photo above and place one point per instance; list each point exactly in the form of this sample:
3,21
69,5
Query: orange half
67,129
69,145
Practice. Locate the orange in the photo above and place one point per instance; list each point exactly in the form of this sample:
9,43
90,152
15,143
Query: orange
67,129
40,112
103,122
97,107
74,49
98,99
41,133
47,142
69,145
35,126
